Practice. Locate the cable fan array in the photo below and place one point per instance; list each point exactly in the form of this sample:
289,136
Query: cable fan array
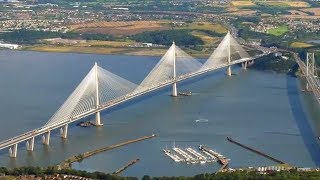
83,98
220,55
111,87
164,72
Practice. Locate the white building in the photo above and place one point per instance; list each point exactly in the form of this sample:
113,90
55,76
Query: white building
9,46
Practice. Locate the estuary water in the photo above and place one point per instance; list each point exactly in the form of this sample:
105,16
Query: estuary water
264,110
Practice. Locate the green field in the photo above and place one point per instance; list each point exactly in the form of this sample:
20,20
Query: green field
278,31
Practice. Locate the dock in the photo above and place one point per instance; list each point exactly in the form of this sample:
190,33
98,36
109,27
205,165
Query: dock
221,159
189,155
67,163
126,166
221,168
255,151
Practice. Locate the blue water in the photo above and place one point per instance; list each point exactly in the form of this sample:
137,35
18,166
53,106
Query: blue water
314,41
260,109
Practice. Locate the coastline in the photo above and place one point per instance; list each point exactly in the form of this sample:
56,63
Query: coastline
130,51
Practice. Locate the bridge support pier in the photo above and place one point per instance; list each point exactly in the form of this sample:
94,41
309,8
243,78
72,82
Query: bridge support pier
244,65
64,131
98,119
30,144
46,138
229,72
13,151
174,90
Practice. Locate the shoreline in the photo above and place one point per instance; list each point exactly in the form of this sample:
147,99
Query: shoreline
127,51
67,163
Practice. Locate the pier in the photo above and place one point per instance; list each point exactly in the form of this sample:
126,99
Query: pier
189,155
255,151
221,159
68,162
126,166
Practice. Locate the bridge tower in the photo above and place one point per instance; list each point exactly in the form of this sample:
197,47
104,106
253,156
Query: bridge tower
229,72
174,86
310,67
98,119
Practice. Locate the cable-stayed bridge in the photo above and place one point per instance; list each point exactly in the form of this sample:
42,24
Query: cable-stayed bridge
101,89
309,70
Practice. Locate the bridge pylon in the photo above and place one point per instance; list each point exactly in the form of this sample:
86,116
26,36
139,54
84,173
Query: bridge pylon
174,85
98,119
229,71
311,68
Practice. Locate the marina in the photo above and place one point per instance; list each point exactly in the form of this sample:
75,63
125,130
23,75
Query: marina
210,101
192,156
221,159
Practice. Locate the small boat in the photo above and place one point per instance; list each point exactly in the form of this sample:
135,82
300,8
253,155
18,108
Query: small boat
185,93
201,120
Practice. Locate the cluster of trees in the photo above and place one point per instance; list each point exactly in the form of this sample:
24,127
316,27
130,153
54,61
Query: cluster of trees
212,33
276,64
51,170
181,37
32,37
271,9
284,175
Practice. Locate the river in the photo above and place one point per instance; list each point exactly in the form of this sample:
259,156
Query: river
315,41
261,109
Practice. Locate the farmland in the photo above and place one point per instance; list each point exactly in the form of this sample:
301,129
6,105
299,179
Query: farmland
278,31
242,3
119,27
287,3
300,45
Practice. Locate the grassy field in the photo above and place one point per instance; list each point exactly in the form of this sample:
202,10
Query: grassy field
315,11
119,27
124,28
113,50
296,12
205,26
300,45
287,3
124,47
107,43
100,50
208,40
242,3
278,31
77,49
